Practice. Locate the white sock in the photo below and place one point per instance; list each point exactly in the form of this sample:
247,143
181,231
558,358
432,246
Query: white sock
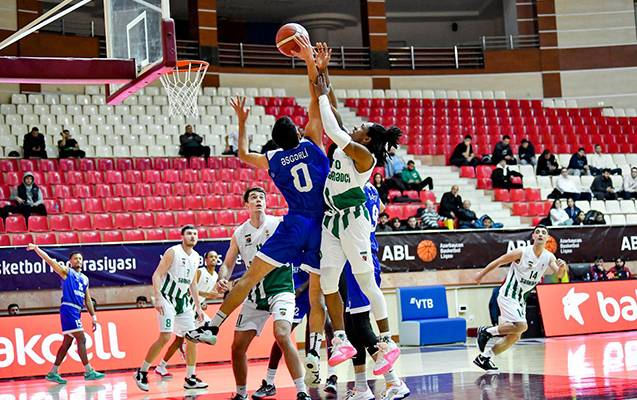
54,368
269,379
145,366
340,334
299,383
316,339
218,319
190,370
493,331
391,377
163,364
488,353
331,370
242,390
360,381
367,283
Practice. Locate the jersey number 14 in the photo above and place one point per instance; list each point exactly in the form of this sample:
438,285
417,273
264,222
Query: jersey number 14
305,184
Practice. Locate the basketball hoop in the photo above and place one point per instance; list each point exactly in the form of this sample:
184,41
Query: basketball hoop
182,85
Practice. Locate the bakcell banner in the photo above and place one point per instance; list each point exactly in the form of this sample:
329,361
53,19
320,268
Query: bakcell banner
591,307
435,250
28,344
105,265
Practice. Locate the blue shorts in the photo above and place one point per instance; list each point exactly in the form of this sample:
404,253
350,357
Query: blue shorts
298,237
70,319
302,306
357,302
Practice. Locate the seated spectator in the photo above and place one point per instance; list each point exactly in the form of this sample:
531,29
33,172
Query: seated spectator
596,271
450,203
396,225
381,186
463,154
526,153
429,217
412,180
594,217
566,187
559,217
579,219
571,209
466,217
619,271
412,224
34,145
503,178
13,309
393,171
547,164
383,223
630,185
190,144
28,199
602,187
599,162
503,151
578,165
486,222
141,302
68,147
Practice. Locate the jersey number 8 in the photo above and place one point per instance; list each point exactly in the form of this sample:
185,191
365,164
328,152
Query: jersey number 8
297,171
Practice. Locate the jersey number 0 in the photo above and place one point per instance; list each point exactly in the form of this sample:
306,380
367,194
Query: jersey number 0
305,184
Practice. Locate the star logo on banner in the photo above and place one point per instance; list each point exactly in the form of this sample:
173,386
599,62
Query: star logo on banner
571,303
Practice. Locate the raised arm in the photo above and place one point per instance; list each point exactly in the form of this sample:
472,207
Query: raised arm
60,269
508,258
229,261
245,155
160,271
323,56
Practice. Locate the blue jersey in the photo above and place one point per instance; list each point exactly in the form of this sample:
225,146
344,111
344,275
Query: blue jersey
74,289
300,175
372,203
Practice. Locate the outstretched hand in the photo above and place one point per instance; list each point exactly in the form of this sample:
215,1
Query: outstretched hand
31,247
238,104
321,87
323,55
306,51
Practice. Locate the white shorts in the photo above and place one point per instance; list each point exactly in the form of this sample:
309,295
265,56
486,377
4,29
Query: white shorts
175,323
511,310
353,244
251,319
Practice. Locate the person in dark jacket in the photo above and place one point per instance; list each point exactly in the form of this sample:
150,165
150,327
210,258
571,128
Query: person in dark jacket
28,199
381,187
547,164
596,271
466,217
383,223
578,165
503,151
602,187
463,154
526,153
68,147
619,271
503,178
34,145
450,203
571,209
190,144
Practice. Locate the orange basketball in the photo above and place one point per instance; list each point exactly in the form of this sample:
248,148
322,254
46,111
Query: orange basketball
285,38
551,244
427,250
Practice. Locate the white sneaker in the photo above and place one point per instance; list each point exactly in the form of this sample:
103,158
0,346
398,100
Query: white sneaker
389,351
357,394
312,371
397,391
163,372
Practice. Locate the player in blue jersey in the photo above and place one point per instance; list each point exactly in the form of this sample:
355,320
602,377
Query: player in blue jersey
75,295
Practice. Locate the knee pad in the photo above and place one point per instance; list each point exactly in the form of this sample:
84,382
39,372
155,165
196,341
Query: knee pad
367,283
329,280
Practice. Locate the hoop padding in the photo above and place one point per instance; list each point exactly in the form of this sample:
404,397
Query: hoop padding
182,85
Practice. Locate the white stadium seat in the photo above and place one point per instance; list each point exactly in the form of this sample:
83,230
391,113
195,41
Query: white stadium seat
51,99
353,94
599,206
631,218
13,119
113,140
252,92
96,140
422,94
25,109
628,207
17,98
91,89
612,207
145,119
223,92
618,219
121,151
278,92
35,99
378,94
156,150
103,151
138,151
500,94
440,94
265,92
237,91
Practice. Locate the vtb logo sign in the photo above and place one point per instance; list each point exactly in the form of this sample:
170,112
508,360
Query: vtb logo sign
422,303
610,309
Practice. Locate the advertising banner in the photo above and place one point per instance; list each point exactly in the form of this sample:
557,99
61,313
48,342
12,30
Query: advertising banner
105,265
28,344
437,250
591,307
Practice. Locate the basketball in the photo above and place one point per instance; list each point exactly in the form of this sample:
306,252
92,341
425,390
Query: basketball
427,250
551,244
285,38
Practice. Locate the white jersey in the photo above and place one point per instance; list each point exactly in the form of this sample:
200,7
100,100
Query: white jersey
206,282
175,284
344,185
250,239
525,274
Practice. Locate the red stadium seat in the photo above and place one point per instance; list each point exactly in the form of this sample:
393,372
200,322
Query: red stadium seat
15,223
243,215
102,221
93,177
142,189
26,165
484,171
122,190
190,175
132,176
70,205
536,208
123,164
133,235
45,165
161,163
68,238
174,203
533,194
86,164
197,162
484,183
154,203
427,195
181,189
134,204
103,190
173,233
224,175
233,201
521,209
144,220
93,205
155,234
59,223
171,176
142,164
12,178
518,195
395,211
61,191
184,218
113,204
90,237
179,163
226,217
123,221
467,172
213,202
21,239
502,195
200,189
205,218
195,202
162,189
112,236
38,223
53,178
412,194
8,165
5,240
152,176
81,222
208,175
164,219
81,191
217,232
44,238
113,177
1,225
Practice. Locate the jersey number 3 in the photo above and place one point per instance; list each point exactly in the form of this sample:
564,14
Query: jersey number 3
302,184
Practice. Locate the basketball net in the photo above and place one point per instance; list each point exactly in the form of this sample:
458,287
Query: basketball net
182,86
